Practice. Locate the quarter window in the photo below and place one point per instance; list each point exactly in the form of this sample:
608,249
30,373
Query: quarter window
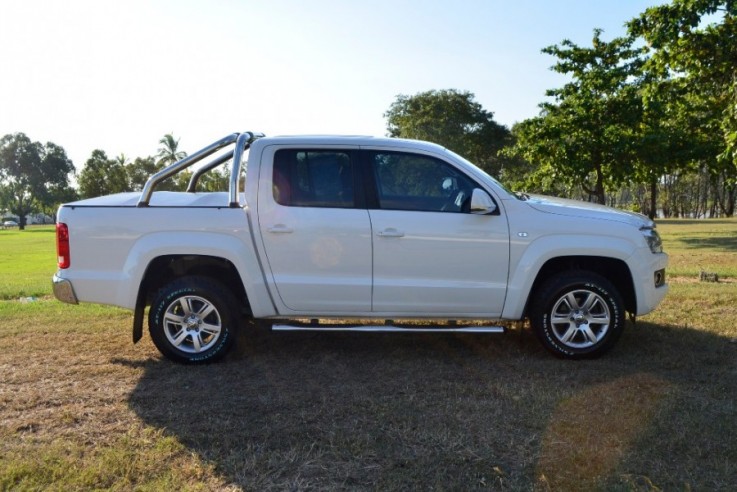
313,178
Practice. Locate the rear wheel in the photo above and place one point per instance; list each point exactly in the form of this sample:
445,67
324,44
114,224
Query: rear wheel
577,315
193,320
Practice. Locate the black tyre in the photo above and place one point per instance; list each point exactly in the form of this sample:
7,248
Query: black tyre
577,315
193,320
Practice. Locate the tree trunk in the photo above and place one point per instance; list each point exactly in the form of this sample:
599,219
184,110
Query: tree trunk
653,198
600,195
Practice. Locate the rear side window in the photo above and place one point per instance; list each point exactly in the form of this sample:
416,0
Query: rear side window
313,178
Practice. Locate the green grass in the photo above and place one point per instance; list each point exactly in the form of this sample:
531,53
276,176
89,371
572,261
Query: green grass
696,245
81,408
117,465
27,261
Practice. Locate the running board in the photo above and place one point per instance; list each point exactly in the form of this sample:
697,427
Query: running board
389,328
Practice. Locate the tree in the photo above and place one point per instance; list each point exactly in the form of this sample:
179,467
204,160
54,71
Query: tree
694,42
54,196
676,133
587,135
453,119
29,174
216,180
142,168
169,151
102,176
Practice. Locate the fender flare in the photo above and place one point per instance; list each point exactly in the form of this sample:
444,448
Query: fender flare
525,270
228,247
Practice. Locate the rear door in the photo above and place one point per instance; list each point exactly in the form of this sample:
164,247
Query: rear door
315,229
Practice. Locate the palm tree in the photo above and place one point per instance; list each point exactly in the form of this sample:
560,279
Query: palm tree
121,160
168,152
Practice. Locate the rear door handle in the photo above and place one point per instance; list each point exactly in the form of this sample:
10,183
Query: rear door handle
390,232
280,229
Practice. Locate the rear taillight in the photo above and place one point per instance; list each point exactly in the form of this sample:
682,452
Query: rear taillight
62,245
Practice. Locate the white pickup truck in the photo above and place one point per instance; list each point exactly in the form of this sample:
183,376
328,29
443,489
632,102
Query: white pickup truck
315,229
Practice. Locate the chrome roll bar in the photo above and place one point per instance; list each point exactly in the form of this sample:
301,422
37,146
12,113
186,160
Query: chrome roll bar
192,186
242,143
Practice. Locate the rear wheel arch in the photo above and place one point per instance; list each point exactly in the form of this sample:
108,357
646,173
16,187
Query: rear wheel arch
163,270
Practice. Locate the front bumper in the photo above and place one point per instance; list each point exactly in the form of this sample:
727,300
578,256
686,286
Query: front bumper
652,285
63,290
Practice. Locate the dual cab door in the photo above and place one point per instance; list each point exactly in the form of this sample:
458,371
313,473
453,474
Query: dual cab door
378,231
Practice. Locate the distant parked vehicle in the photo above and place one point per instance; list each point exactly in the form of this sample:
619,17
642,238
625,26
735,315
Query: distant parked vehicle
10,223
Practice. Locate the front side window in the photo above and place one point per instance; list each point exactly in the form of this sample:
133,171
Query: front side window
421,183
313,178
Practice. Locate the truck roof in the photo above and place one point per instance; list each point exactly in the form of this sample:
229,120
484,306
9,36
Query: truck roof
359,140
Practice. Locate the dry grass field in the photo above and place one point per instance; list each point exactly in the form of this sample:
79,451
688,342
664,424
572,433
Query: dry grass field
82,408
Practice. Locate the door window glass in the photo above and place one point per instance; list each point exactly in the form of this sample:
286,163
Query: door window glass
307,178
418,182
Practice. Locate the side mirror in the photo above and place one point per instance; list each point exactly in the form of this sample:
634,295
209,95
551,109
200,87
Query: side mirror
481,203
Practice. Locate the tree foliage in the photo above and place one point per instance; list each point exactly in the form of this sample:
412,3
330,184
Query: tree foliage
453,119
694,45
586,135
169,152
103,176
644,117
142,168
33,176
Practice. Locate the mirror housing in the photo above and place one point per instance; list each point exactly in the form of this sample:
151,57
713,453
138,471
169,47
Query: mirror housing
481,203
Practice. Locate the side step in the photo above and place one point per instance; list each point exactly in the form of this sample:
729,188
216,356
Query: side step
388,328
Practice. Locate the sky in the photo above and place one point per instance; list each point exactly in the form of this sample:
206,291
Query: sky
118,75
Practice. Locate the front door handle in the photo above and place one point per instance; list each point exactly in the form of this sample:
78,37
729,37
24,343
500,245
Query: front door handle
390,232
280,229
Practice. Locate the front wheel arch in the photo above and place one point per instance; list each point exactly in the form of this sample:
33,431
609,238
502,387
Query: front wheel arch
614,270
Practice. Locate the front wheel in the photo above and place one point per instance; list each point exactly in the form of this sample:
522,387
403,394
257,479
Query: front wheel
577,315
192,320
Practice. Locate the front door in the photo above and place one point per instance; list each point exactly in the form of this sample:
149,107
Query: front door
431,255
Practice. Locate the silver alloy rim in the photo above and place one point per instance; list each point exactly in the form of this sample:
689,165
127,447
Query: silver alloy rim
192,324
580,319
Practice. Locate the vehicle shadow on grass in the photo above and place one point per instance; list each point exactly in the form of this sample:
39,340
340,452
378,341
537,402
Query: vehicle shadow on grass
724,243
367,411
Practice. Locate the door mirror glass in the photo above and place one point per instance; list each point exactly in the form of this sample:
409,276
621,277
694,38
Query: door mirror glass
481,203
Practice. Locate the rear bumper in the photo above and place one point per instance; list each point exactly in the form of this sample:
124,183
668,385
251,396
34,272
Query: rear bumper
63,290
